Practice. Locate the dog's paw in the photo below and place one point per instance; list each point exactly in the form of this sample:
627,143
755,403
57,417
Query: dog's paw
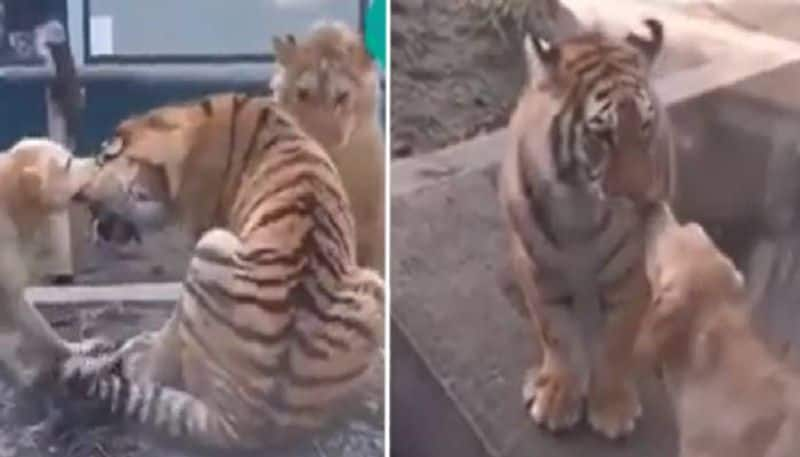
613,412
553,398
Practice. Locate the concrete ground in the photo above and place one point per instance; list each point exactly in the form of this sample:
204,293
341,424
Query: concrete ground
461,339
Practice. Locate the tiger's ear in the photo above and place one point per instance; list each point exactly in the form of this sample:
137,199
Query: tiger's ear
284,48
649,47
540,54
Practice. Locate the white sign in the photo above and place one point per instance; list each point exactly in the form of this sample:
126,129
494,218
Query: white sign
101,35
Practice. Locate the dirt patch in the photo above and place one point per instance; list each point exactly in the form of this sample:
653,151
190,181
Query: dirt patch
451,79
455,74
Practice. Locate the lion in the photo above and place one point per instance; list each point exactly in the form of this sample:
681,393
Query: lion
329,83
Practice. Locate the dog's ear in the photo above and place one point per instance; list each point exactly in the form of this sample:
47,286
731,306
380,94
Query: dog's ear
665,323
706,350
31,183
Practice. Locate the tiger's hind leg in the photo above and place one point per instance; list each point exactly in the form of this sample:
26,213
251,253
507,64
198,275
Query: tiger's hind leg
156,356
614,405
554,391
168,414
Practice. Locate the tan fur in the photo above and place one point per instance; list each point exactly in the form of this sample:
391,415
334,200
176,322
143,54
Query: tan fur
585,288
731,396
331,62
35,183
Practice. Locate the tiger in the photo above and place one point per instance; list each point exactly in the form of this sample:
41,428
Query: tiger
590,152
329,83
276,326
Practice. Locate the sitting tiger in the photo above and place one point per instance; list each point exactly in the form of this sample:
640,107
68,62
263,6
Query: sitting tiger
590,153
277,325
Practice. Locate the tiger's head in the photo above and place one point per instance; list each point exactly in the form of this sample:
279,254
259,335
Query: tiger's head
140,173
609,113
327,81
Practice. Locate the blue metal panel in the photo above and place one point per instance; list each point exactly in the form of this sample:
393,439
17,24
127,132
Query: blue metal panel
22,111
109,102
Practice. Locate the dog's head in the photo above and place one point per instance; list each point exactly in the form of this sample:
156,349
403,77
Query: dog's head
689,276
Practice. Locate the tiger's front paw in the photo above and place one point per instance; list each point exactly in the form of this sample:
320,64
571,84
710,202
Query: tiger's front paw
613,411
553,398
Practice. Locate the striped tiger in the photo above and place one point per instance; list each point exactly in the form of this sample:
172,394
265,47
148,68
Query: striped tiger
277,325
590,153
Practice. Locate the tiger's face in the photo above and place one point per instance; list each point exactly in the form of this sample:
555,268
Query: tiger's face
605,127
328,82
617,128
130,193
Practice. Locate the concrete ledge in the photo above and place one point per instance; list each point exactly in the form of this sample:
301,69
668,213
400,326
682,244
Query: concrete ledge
143,292
453,303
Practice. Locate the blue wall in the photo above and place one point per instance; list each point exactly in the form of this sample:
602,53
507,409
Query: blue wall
23,112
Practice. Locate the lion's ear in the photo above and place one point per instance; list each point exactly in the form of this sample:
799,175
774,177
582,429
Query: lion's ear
360,56
669,313
284,48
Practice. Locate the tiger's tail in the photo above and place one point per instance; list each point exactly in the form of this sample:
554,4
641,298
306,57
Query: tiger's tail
168,415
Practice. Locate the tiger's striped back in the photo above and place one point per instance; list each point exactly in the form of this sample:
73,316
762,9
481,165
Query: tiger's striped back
277,324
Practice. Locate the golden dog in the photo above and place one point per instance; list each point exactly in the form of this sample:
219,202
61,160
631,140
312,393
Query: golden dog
731,396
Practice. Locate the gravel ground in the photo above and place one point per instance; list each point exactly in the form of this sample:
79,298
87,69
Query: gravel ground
455,76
